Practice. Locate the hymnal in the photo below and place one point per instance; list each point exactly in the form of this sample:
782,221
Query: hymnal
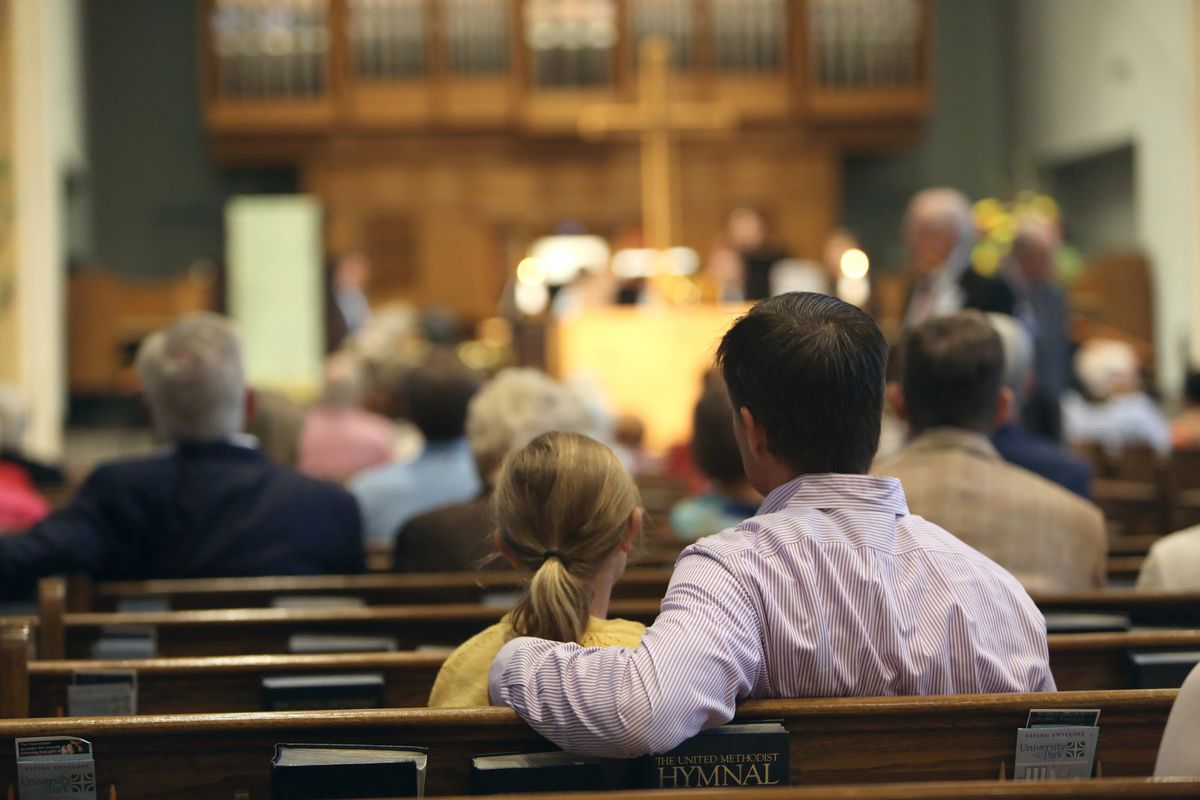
553,771
342,771
129,641
102,693
1163,670
738,754
56,767
301,643
308,601
317,692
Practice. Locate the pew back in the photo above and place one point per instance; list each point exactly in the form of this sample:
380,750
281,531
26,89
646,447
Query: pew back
835,741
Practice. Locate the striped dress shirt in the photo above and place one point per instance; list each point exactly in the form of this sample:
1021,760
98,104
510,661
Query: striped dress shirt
833,589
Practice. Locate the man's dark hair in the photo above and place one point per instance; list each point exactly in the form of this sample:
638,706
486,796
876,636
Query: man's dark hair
438,394
952,373
714,447
810,369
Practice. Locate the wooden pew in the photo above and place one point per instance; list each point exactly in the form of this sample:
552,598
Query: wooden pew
832,741
1179,609
373,589
1090,661
380,588
1098,789
255,631
1080,662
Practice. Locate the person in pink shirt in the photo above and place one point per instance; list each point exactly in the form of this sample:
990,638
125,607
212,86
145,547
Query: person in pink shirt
340,438
832,589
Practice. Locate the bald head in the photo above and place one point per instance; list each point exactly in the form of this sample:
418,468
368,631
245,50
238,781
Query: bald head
936,223
1033,249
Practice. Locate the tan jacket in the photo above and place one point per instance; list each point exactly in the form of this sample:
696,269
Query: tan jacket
1049,538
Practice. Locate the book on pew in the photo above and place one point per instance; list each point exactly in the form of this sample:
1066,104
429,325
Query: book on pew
552,771
102,693
55,767
318,692
306,601
737,754
310,643
343,771
1069,622
118,642
1162,670
1057,744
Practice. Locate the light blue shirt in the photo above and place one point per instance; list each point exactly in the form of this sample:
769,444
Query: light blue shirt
391,495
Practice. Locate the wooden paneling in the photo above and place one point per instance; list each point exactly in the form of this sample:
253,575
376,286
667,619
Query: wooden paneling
469,200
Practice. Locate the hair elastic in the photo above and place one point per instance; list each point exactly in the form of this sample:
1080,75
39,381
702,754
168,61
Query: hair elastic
549,554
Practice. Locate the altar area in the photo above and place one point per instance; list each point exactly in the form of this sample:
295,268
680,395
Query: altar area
647,361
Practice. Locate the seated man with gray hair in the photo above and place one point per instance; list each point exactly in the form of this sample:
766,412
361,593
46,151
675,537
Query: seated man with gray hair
210,506
1013,439
516,407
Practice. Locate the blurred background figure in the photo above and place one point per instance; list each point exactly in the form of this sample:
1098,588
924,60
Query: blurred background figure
20,503
748,239
276,423
347,309
13,424
510,411
1043,308
1113,410
437,393
939,234
1185,428
1015,442
730,498
341,438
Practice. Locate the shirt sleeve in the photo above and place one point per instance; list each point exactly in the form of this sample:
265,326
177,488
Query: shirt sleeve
700,656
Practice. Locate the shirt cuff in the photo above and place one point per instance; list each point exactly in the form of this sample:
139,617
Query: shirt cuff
497,692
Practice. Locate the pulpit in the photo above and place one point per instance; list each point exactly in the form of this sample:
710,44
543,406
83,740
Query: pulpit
646,360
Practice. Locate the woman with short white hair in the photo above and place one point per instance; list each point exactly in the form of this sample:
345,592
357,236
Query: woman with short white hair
516,407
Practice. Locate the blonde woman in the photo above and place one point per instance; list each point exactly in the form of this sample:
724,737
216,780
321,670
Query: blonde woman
569,512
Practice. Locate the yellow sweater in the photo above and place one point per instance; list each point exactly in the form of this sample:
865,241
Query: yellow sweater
463,679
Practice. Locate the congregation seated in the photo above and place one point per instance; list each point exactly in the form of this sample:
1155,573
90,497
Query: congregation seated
1172,564
951,395
13,422
510,411
567,511
1113,410
436,393
1185,428
1013,440
340,438
209,506
730,498
832,589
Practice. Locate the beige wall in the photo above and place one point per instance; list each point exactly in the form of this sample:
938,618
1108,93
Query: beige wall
9,364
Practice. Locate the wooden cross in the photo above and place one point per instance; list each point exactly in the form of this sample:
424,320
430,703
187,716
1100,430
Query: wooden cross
656,119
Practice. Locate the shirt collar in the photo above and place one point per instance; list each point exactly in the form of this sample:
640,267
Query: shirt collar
953,439
835,490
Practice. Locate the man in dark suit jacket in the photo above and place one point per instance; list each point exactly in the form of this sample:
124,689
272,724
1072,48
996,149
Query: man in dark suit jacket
1013,440
939,233
211,506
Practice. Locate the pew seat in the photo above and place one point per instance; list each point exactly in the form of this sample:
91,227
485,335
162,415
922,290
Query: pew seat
831,741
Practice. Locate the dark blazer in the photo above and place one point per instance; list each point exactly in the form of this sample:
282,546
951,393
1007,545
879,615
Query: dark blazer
1053,462
989,294
454,538
201,510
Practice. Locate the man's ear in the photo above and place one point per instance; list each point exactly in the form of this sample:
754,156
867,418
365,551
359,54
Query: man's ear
756,435
506,551
1004,404
895,399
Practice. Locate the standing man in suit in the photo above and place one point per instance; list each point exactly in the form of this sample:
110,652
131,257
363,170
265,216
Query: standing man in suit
940,234
210,506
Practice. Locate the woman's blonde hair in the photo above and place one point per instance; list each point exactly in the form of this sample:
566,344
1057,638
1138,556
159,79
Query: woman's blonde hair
563,503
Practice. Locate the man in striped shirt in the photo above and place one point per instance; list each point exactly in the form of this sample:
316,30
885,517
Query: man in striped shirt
833,589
